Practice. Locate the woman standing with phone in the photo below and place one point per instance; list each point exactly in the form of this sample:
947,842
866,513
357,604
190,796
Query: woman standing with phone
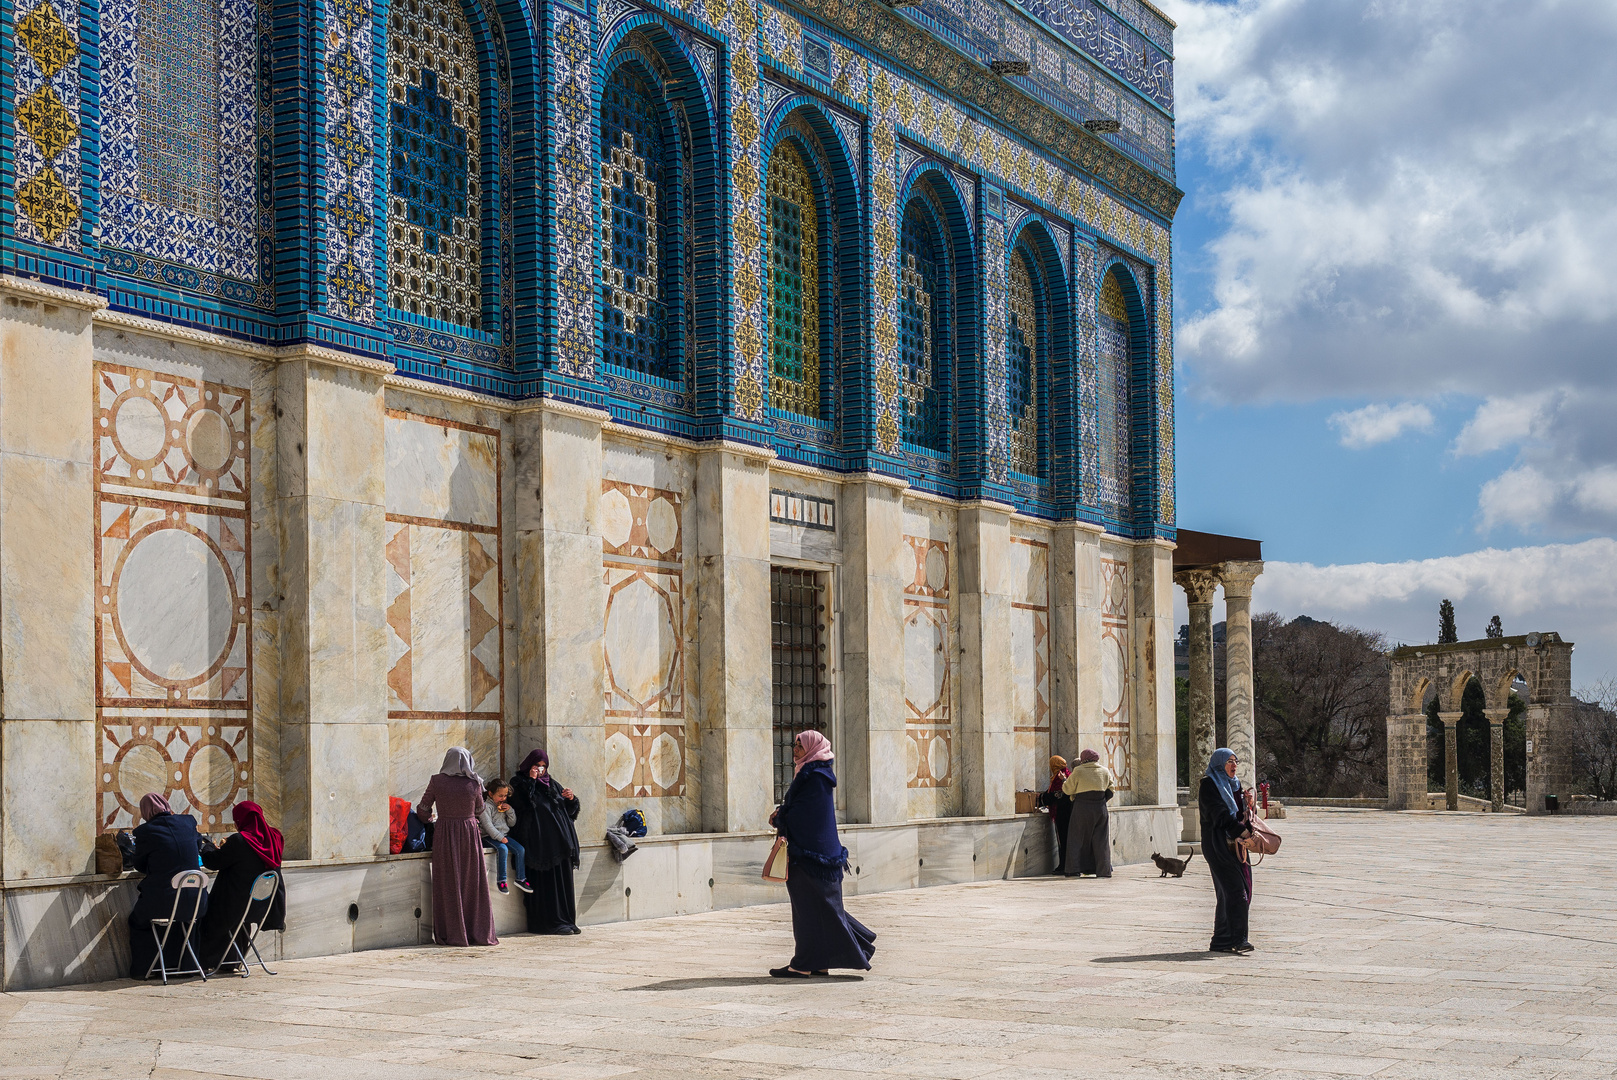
545,815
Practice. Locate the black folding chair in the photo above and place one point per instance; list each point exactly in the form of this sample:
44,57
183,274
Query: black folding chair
185,879
263,892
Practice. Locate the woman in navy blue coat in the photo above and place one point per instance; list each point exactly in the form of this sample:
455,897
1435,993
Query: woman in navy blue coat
165,844
827,936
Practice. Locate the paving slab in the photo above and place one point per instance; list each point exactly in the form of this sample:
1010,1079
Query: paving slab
1396,946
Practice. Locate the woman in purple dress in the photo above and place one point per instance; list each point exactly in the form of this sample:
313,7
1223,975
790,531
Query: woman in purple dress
460,906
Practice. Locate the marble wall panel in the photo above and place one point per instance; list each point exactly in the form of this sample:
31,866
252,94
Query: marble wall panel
444,597
173,600
1028,578
47,770
648,644
61,937
1115,669
929,654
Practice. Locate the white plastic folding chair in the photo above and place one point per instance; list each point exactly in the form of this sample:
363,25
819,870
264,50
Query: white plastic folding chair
263,892
185,879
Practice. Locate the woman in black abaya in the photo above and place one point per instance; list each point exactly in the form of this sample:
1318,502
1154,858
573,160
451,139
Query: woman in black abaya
826,935
545,815
1225,811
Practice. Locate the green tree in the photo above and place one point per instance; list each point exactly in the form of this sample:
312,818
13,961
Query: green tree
1475,748
1446,631
1496,629
1436,766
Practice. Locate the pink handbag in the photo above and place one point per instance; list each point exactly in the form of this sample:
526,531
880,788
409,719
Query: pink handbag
1263,841
775,864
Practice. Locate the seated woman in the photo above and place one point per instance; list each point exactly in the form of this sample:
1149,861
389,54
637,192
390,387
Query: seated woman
165,844
253,849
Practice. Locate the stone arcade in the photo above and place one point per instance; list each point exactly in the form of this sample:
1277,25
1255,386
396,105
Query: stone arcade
649,381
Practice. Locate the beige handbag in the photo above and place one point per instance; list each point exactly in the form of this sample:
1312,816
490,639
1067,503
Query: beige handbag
775,864
1263,841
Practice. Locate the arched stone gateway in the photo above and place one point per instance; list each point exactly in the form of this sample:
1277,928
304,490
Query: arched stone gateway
1542,661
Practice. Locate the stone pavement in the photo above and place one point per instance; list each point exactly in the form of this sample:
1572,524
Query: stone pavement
1389,945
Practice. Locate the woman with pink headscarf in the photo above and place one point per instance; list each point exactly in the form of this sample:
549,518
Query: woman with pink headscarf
826,935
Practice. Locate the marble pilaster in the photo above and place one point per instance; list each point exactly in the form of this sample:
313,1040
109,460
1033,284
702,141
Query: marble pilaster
561,600
331,483
1200,587
733,637
1075,717
47,536
1496,757
872,751
987,735
1155,754
1239,716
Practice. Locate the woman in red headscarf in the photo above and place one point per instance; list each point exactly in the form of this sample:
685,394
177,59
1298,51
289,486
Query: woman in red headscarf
251,850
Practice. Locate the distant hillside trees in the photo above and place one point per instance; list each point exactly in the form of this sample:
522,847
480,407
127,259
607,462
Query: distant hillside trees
1321,698
1594,738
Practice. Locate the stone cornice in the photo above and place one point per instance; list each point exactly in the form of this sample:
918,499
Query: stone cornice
630,433
761,454
557,407
319,354
184,335
411,385
878,26
51,294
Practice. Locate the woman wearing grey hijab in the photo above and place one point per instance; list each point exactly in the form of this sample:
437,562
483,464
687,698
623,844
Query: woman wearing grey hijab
461,914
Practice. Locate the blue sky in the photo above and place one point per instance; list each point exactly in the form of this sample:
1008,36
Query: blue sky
1396,307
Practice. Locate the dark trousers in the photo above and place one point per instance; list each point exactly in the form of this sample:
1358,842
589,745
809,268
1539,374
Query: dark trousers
1230,920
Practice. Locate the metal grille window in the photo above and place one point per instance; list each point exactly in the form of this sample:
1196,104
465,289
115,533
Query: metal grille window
634,216
435,256
923,346
1114,353
1025,354
794,284
796,610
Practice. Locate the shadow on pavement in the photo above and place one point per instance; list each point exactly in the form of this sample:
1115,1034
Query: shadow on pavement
1144,957
740,980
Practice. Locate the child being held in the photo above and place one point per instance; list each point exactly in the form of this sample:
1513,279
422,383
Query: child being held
497,818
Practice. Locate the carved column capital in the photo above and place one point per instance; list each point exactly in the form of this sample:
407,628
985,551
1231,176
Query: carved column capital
1237,578
1199,585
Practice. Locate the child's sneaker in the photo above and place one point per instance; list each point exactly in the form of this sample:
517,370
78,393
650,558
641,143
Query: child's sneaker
524,886
502,888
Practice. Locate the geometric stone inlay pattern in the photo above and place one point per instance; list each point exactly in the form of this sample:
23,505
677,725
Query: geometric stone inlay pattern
928,686
642,546
1114,671
443,597
173,605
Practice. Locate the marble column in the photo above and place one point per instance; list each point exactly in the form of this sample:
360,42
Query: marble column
733,637
1200,587
331,482
1239,719
1451,760
561,599
872,752
47,582
1496,757
988,741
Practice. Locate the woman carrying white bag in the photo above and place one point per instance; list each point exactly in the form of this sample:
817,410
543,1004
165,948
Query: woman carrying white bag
826,935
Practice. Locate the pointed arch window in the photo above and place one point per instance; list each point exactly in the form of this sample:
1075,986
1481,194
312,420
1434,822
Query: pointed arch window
924,355
794,283
636,212
1114,355
435,144
1026,357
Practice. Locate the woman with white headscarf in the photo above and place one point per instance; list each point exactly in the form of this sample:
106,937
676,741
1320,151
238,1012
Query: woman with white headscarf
1225,811
460,905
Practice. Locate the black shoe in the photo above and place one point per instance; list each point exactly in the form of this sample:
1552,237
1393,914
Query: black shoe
788,973
1244,947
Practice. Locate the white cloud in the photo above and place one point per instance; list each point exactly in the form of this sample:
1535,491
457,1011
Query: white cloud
1413,202
1379,423
1569,588
1501,422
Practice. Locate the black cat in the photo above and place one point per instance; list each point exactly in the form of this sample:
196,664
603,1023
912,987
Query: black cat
1176,867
